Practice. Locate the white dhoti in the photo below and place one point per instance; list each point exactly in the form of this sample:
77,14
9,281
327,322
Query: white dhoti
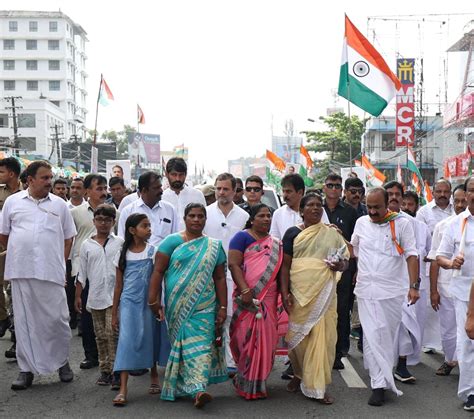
447,326
380,321
41,325
465,352
432,333
410,333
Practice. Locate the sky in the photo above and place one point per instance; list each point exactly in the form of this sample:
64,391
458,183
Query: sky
221,75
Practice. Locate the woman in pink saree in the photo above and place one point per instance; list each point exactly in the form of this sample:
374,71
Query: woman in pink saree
255,258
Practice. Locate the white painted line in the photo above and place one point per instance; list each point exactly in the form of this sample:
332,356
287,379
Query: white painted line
350,376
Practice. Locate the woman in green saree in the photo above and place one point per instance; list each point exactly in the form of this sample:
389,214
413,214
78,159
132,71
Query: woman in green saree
195,296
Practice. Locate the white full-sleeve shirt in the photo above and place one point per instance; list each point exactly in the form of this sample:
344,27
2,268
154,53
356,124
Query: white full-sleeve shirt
459,286
431,214
180,200
381,269
36,231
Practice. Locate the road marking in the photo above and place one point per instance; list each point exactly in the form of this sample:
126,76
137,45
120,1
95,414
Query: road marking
350,376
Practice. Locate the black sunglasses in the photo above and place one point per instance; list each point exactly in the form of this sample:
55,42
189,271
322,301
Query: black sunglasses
238,190
333,185
356,191
253,189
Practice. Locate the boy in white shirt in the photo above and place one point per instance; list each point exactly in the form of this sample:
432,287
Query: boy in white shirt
97,268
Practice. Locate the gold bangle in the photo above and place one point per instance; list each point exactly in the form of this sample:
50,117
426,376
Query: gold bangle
222,308
245,291
152,304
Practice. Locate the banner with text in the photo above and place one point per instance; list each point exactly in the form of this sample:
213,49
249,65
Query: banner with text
405,122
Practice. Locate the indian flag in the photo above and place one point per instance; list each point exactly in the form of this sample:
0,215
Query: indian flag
306,164
365,78
105,94
275,169
373,176
411,165
428,193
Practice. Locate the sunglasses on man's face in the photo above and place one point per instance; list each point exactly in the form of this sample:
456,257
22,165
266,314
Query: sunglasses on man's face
238,190
253,189
333,186
355,191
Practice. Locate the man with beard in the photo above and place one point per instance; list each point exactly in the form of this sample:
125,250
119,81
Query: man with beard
83,215
413,317
411,203
179,194
38,224
224,220
382,241
456,252
353,194
60,188
441,299
239,192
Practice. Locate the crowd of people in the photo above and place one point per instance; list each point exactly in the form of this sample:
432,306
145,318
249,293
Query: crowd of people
211,286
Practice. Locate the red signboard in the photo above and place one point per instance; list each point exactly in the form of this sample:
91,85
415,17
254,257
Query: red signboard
405,121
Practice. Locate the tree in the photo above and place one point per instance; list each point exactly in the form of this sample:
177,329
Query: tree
122,141
335,141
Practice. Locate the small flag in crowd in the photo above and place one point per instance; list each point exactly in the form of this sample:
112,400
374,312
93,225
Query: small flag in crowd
105,94
428,193
365,78
373,176
140,115
411,164
275,170
306,164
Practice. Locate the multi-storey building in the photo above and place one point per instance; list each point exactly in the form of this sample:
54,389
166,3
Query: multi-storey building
42,61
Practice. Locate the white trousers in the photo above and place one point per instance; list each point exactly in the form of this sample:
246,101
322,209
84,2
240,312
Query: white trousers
465,352
381,321
447,326
41,325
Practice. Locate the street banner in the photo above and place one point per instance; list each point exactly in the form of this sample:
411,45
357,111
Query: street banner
405,119
144,149
122,168
94,159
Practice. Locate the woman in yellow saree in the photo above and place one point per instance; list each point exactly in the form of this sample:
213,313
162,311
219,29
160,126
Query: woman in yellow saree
314,256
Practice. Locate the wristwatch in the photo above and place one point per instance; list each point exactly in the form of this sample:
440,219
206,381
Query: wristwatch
416,285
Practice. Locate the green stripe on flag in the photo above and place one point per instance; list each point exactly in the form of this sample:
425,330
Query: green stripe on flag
360,95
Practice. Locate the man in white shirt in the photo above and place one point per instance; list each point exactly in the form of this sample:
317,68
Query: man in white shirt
224,220
162,215
431,214
77,192
438,209
382,241
441,299
456,252
38,224
288,215
179,194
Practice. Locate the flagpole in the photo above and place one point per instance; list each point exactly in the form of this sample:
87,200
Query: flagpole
350,125
97,113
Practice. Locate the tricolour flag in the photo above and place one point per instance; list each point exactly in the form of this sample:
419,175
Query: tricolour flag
411,164
416,184
428,194
140,115
275,170
306,164
373,176
365,78
105,94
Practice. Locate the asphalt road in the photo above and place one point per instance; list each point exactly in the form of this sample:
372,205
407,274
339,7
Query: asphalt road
430,397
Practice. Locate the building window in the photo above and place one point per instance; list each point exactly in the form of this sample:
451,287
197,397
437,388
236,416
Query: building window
31,44
3,120
27,143
32,85
31,65
13,26
9,64
53,26
388,142
54,85
53,45
27,120
54,65
9,44
33,26
9,84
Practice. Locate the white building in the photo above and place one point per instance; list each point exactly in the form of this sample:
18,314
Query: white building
43,61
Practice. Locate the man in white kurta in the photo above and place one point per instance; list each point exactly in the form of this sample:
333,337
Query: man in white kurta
440,297
456,252
38,224
224,220
382,242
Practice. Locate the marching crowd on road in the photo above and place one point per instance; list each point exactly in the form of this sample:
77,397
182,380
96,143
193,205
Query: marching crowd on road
211,286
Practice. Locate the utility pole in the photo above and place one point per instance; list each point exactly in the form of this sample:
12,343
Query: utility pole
56,142
13,108
75,141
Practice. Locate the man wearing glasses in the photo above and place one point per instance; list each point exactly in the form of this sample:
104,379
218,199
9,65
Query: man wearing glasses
344,216
353,194
239,192
253,192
